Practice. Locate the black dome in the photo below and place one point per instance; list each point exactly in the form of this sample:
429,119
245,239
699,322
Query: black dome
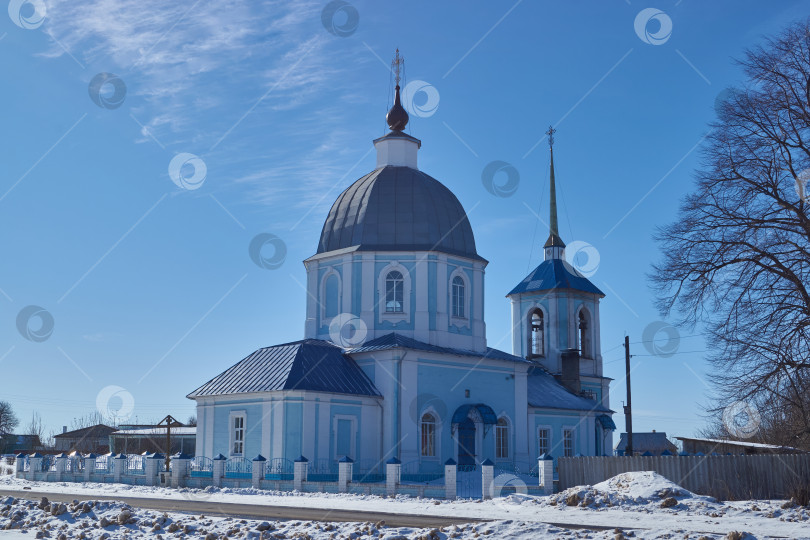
398,209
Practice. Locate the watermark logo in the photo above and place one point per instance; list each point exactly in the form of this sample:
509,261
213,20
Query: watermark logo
500,178
27,14
340,18
423,107
187,171
107,90
504,486
653,26
35,323
661,339
741,419
267,251
115,402
583,257
347,330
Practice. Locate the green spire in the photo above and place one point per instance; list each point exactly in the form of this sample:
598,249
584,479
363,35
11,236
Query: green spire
554,232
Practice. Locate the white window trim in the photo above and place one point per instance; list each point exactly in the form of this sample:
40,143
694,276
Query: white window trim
324,319
231,439
459,322
406,293
353,444
527,318
573,431
509,445
550,431
437,444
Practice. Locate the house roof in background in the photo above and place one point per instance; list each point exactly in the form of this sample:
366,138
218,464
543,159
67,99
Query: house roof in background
99,430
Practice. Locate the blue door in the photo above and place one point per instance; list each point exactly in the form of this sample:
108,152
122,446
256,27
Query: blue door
466,445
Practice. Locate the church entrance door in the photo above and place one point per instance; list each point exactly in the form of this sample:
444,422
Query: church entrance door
466,445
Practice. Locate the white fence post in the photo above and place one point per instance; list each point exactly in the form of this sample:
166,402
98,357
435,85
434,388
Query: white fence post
119,464
34,465
61,460
19,466
300,467
545,473
257,470
487,478
150,468
450,471
393,469
219,470
89,466
344,473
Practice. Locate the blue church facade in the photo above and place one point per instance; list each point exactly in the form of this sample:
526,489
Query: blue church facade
395,363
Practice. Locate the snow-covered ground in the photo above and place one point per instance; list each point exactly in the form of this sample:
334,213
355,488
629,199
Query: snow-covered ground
650,505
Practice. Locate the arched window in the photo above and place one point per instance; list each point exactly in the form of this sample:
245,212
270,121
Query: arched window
394,295
584,342
332,296
537,334
458,297
428,429
502,438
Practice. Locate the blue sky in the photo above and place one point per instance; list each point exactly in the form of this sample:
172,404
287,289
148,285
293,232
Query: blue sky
150,286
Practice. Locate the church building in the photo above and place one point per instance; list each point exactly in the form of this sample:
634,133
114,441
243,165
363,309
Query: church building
395,363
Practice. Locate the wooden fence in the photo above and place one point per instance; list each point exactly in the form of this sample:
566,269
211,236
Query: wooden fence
765,476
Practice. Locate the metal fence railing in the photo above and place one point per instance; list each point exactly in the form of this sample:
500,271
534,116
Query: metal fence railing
279,469
201,467
238,468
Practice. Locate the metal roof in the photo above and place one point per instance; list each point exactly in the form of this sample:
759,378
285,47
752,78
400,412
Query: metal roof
544,391
555,274
310,364
655,441
394,340
398,209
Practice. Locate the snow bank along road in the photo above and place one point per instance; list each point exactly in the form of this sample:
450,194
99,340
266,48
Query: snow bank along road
645,502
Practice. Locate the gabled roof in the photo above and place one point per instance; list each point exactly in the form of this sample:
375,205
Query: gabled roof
544,391
655,441
555,274
92,432
310,364
394,340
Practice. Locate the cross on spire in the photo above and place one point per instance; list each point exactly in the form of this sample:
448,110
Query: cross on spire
396,66
554,244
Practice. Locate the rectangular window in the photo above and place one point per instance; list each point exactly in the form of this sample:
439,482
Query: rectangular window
238,435
428,436
543,441
568,442
501,442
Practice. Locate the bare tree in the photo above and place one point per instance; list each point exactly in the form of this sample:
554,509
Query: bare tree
192,420
35,428
91,419
8,420
737,260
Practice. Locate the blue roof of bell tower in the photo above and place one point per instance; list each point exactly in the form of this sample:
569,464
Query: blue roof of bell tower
555,274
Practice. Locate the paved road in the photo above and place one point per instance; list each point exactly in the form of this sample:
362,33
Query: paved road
251,511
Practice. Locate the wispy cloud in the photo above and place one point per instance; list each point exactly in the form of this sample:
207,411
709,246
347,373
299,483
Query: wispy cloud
200,72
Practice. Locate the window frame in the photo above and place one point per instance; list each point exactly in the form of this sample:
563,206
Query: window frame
569,434
502,434
401,282
584,340
549,440
232,432
382,277
532,312
329,273
458,299
433,426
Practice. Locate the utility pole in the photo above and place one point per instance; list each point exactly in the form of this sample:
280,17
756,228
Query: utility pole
628,409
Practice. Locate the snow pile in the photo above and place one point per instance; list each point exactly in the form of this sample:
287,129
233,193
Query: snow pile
629,490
